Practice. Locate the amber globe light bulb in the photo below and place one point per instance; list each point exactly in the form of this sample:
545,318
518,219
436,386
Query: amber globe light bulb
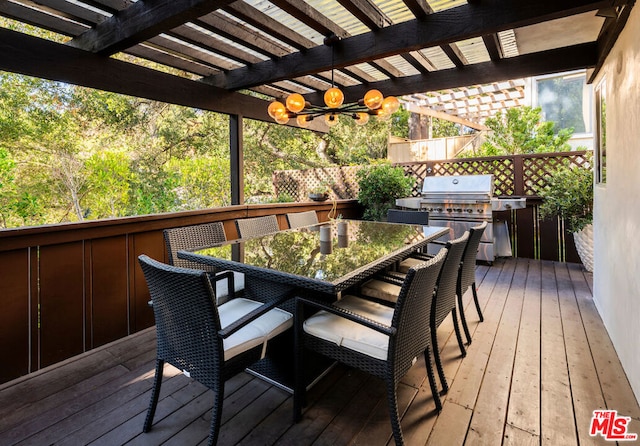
295,102
373,99
390,105
302,120
333,97
282,118
331,119
361,118
276,108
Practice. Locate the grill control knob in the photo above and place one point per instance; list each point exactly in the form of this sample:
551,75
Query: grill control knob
479,210
449,209
459,210
439,210
469,210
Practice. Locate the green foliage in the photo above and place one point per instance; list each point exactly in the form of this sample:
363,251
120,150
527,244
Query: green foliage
400,123
380,185
200,182
569,194
519,131
443,128
70,153
349,144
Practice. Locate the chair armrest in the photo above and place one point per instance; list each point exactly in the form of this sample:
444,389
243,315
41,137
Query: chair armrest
231,285
252,316
438,242
349,315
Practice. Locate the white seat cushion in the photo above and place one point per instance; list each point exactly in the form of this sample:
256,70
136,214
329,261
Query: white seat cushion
408,263
379,289
350,334
222,286
255,333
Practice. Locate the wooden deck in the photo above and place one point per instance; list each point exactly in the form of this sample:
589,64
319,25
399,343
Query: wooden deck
538,366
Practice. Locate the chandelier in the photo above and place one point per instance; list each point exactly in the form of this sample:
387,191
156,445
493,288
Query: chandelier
295,106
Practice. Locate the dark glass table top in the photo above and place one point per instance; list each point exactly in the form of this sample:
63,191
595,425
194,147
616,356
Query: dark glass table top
355,247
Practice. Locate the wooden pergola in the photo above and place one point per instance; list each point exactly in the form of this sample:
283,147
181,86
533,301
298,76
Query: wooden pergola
234,56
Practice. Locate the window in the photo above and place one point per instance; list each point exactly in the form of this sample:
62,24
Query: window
565,101
601,133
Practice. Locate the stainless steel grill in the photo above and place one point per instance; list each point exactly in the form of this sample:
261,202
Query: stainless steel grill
460,202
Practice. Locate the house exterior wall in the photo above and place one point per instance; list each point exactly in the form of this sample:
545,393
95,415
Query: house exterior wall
617,203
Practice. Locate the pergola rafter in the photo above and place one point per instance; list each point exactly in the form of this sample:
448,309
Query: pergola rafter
274,48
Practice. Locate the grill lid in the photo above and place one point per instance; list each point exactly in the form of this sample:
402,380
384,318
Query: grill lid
458,187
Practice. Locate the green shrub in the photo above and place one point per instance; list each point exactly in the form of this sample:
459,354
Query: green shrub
380,185
569,194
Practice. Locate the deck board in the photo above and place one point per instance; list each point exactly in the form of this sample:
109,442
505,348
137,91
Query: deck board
538,366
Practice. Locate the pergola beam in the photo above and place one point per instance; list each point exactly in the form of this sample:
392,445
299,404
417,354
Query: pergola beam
141,21
32,56
448,26
442,115
535,64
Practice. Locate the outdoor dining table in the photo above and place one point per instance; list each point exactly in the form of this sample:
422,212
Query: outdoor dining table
319,261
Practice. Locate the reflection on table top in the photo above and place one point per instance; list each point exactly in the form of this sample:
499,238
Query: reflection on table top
347,246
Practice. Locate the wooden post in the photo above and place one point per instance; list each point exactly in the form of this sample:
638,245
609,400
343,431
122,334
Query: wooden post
236,159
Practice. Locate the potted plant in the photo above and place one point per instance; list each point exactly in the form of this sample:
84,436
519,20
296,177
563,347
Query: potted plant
320,192
380,185
569,194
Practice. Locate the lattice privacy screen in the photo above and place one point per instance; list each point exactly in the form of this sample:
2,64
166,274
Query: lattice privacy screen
514,175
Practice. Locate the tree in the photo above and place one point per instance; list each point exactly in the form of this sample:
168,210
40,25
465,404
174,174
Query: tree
520,130
71,153
443,128
348,144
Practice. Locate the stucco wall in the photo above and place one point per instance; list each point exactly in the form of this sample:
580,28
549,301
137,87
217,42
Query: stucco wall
617,204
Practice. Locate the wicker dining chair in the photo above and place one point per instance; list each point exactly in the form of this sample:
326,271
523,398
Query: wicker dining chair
299,219
228,284
377,339
257,226
385,288
209,343
444,301
409,217
467,274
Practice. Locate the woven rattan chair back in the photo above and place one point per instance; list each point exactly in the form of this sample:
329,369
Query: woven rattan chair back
444,302
411,339
445,298
467,276
299,219
412,309
257,226
186,319
188,237
468,270
187,330
409,217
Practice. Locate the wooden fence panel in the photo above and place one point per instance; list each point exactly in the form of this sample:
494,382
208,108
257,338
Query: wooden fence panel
550,241
526,236
61,301
72,287
107,315
151,244
14,317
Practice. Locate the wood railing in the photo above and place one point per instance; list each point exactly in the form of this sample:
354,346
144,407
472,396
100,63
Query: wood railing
69,288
